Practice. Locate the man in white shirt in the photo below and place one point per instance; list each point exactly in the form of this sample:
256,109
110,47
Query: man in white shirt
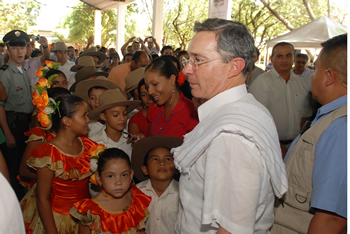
61,52
231,165
301,69
284,94
256,71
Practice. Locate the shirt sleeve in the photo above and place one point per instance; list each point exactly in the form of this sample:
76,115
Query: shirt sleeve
330,171
259,89
232,184
6,82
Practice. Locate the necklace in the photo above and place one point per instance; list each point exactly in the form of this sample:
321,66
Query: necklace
105,195
163,125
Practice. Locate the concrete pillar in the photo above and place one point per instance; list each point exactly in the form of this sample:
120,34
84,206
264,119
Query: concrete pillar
157,26
98,28
121,8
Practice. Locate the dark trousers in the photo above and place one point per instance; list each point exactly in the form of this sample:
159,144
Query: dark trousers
13,156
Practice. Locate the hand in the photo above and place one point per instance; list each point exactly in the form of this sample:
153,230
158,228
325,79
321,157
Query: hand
131,39
10,141
141,41
138,136
43,41
90,40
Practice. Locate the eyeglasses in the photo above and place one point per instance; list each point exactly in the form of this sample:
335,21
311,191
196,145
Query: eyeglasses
195,63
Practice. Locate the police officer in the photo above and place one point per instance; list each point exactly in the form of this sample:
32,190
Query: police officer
15,111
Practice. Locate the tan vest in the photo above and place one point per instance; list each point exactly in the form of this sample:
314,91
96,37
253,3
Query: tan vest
293,212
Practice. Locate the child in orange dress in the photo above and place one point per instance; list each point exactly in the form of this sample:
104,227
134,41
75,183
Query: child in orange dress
63,168
120,207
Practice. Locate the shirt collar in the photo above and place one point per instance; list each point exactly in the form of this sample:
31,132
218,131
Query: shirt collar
326,109
291,77
228,96
169,190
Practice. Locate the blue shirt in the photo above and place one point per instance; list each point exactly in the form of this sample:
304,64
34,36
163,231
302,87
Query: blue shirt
330,170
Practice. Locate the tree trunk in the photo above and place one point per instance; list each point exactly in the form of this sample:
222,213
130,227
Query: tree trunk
278,16
329,8
309,10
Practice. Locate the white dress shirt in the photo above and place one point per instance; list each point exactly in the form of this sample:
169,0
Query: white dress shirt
163,210
287,102
227,180
101,137
94,126
32,65
306,75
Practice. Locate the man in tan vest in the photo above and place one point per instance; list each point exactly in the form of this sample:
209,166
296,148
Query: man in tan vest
316,163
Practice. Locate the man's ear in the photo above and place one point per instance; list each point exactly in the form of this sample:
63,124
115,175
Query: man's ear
331,77
236,67
144,170
103,116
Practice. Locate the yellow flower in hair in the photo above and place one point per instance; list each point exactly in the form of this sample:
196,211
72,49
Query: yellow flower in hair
40,101
96,150
39,73
48,63
43,82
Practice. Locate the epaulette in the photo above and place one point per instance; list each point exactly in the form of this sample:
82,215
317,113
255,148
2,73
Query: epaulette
4,67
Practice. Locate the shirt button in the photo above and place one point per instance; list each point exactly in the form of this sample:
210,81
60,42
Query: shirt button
157,219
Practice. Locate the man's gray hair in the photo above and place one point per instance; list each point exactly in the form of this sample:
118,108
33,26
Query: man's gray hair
234,40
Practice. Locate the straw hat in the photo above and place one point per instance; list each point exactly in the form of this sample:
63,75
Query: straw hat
84,86
133,78
60,46
86,73
112,98
143,146
83,62
92,51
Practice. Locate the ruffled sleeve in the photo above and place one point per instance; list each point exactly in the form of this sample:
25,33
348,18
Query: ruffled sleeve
37,133
65,166
92,215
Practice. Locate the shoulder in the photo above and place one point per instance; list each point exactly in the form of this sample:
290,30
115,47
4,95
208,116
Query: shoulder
4,67
88,142
142,185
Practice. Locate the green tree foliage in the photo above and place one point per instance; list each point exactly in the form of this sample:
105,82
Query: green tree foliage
130,21
19,14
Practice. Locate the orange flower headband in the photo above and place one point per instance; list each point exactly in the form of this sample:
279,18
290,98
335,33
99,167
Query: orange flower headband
41,100
95,153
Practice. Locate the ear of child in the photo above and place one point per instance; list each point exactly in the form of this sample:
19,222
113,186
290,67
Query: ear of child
144,170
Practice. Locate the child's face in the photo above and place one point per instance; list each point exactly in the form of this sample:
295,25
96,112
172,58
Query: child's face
145,97
79,122
160,165
60,81
94,98
115,178
115,118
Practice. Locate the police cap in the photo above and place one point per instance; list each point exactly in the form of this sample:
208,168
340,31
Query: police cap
16,38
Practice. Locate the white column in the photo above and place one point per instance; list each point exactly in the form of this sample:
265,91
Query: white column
98,28
157,26
120,26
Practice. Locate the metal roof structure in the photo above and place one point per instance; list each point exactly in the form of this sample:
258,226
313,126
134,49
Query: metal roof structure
105,5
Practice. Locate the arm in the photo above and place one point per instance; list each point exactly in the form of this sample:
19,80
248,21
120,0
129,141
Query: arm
10,140
157,46
46,55
84,229
123,48
44,183
222,231
326,222
3,168
90,41
3,94
24,170
143,46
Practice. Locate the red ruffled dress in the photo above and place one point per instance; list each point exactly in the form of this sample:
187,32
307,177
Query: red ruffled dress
102,220
70,185
35,134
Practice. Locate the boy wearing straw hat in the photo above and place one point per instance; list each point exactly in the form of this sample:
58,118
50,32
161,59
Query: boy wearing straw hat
151,157
113,109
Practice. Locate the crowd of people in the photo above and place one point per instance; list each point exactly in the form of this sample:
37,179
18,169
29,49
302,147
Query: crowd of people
164,141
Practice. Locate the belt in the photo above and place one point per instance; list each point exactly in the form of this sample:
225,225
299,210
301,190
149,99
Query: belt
13,116
286,142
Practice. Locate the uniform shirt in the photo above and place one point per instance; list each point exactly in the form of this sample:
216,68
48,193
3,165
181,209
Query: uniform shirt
118,74
306,75
182,119
329,178
32,65
229,184
66,70
163,210
17,86
101,138
11,218
287,102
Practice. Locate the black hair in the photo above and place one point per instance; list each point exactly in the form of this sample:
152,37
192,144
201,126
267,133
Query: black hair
57,92
174,60
70,47
109,154
127,54
67,107
35,53
165,48
96,87
154,56
182,52
54,72
282,44
137,55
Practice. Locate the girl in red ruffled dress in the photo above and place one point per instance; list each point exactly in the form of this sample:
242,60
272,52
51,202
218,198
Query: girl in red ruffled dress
63,168
120,207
